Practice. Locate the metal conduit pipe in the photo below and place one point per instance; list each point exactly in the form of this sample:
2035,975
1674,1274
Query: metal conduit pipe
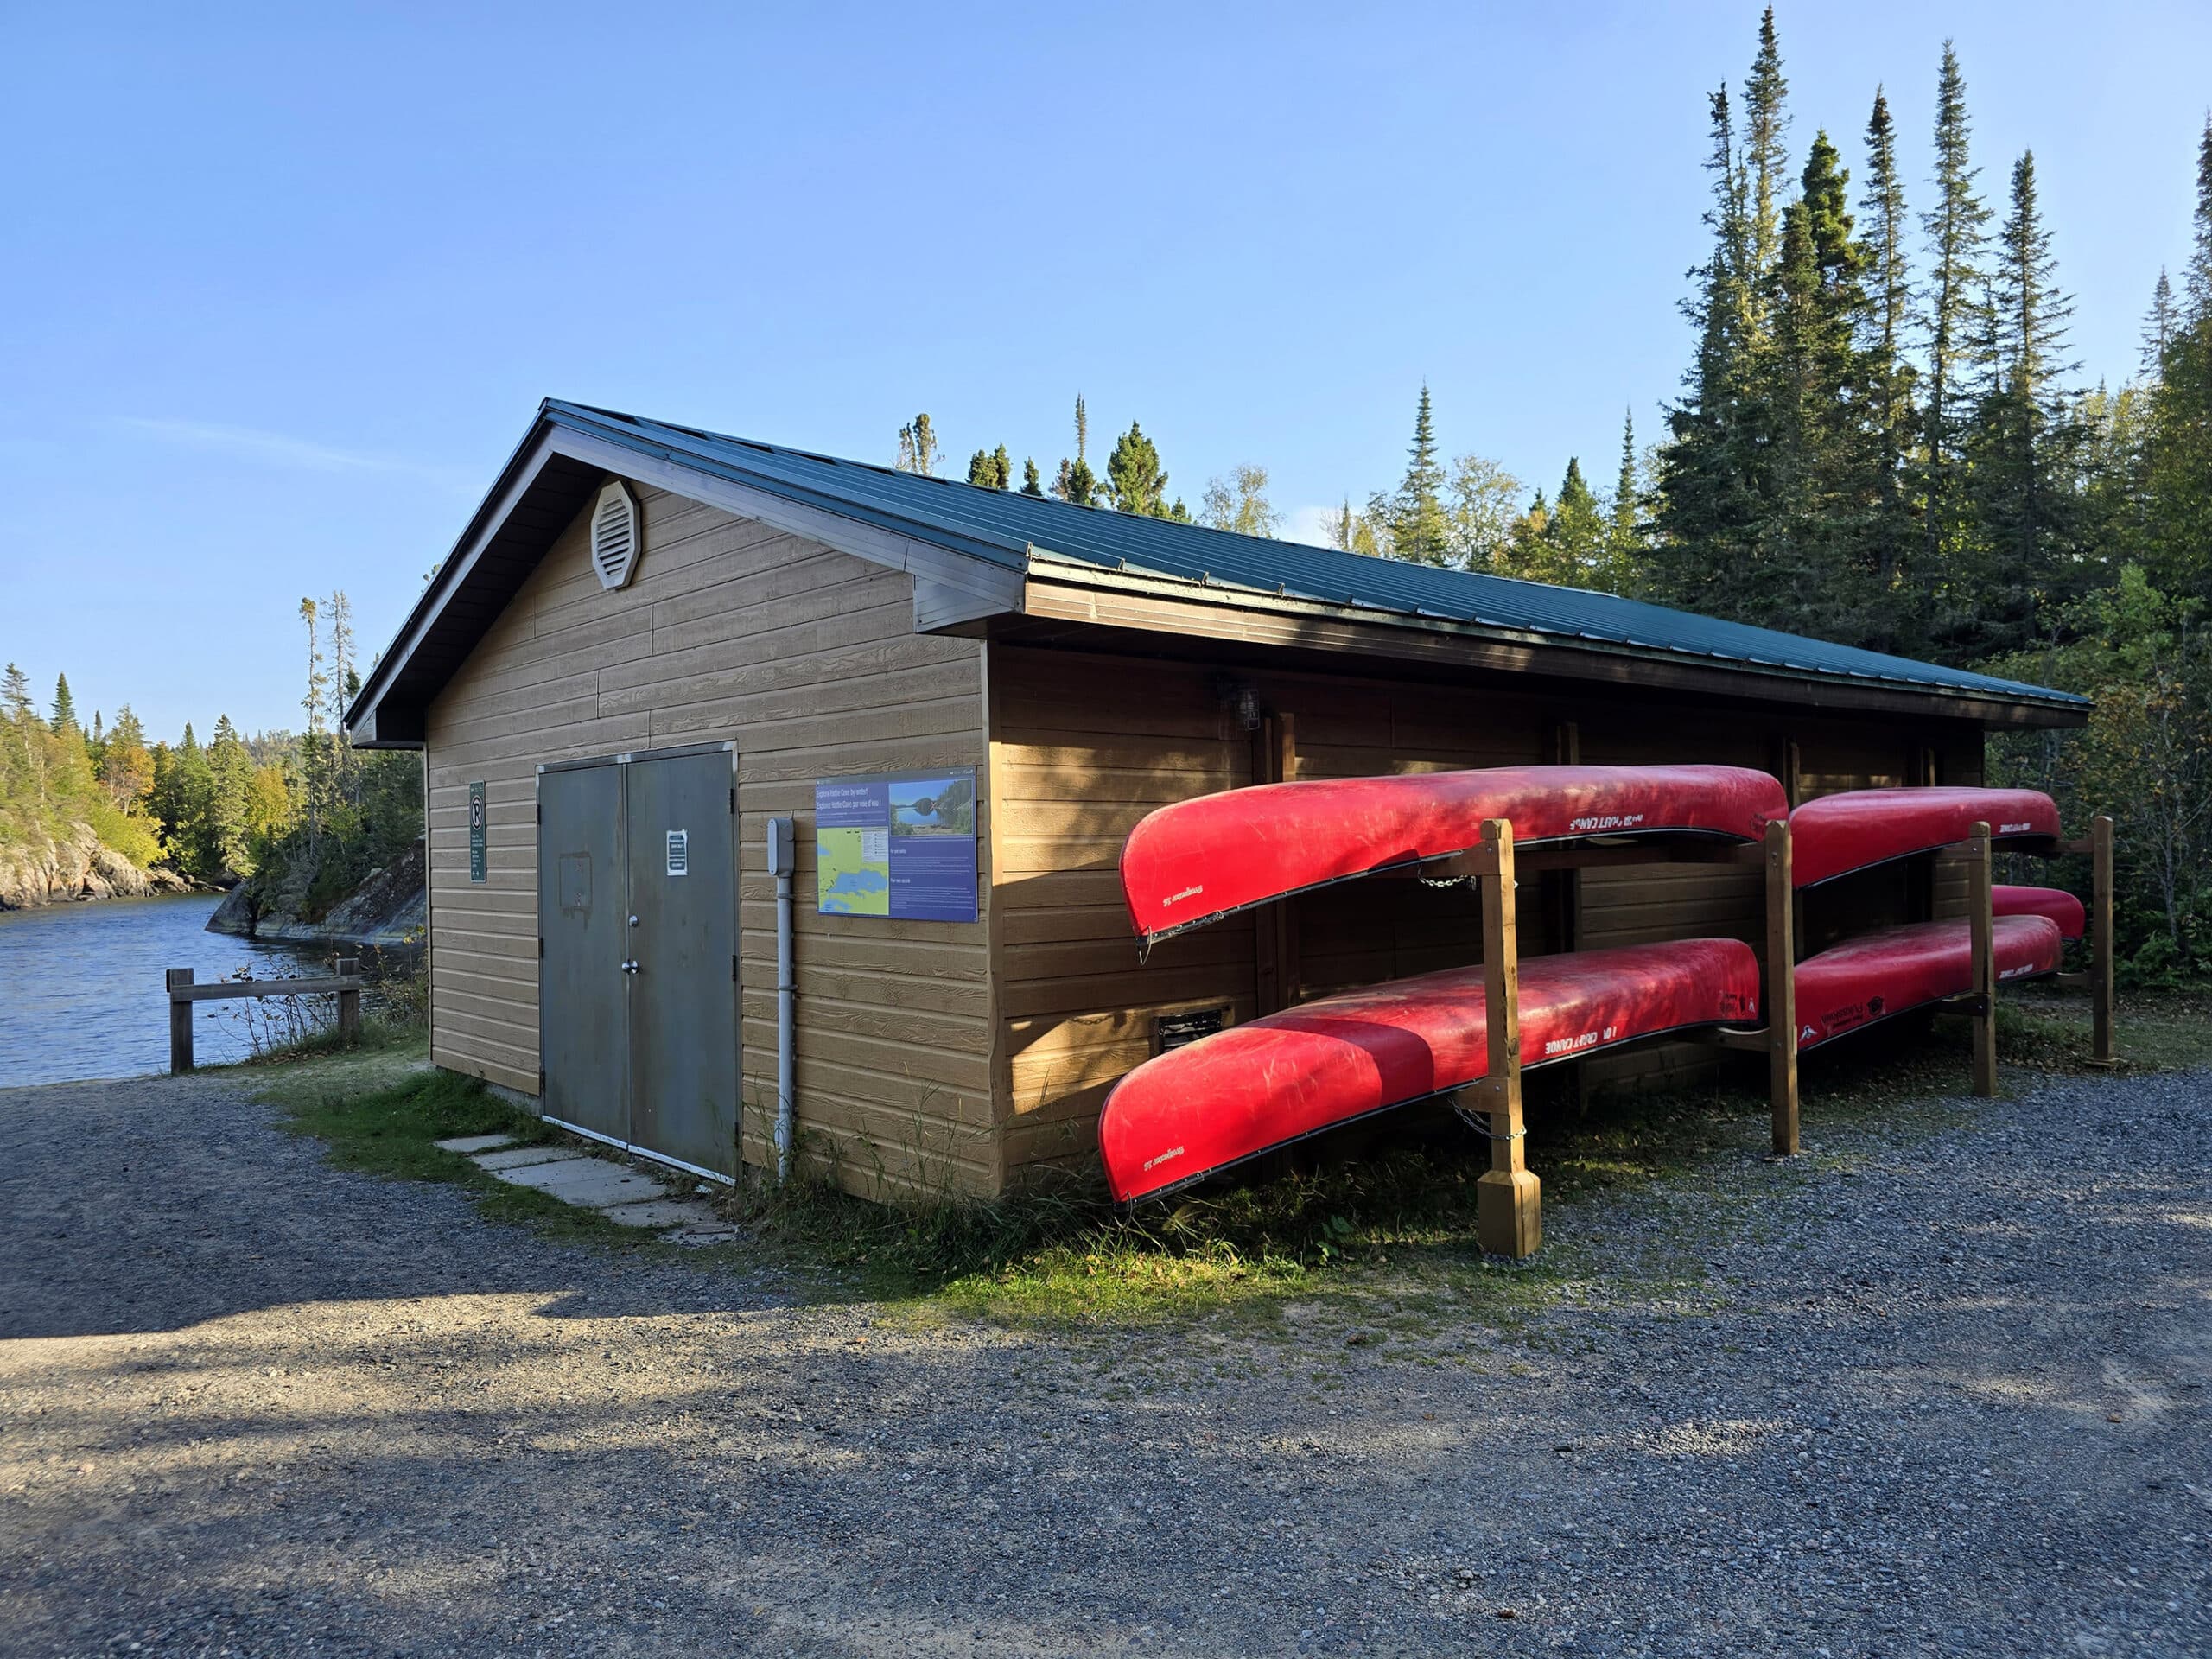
783,852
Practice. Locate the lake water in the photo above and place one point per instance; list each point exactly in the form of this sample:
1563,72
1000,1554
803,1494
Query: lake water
81,988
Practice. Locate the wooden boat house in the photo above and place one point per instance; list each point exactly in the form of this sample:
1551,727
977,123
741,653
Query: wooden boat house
650,642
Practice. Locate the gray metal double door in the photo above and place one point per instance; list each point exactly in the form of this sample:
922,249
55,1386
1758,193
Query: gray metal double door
637,923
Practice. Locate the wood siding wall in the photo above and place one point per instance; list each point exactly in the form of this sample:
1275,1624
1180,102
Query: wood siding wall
806,658
1083,744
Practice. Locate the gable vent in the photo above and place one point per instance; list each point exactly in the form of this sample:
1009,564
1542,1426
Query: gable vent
614,535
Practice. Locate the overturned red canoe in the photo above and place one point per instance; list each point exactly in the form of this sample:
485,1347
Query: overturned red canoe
1246,1091
1897,970
1203,859
1839,834
2060,907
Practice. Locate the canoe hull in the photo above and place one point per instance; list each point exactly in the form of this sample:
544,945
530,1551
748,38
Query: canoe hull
2060,907
1198,1110
1197,861
1893,970
1861,828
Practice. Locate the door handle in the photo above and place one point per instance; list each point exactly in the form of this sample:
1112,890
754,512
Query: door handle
629,967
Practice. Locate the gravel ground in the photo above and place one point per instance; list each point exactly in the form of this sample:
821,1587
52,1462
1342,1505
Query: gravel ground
1948,1398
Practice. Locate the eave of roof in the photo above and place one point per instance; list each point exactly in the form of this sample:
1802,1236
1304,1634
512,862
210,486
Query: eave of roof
1011,534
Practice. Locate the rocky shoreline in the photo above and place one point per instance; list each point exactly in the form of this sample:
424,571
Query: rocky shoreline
50,872
386,911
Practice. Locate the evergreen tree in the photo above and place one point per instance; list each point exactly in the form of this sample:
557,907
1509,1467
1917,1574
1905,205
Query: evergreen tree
2196,281
1419,531
1888,373
2158,326
2178,445
230,780
1574,535
2026,443
918,449
991,470
1956,229
16,695
65,706
1075,482
1624,530
184,789
1135,482
314,768
1765,154
1031,483
1711,474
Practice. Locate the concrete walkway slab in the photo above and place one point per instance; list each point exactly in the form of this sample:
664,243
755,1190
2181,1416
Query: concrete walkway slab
586,1181
469,1143
519,1156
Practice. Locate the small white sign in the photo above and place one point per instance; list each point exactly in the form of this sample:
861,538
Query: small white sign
679,852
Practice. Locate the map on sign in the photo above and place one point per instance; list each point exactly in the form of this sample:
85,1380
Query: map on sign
896,844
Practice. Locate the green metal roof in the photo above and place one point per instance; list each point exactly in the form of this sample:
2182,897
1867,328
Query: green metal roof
1004,528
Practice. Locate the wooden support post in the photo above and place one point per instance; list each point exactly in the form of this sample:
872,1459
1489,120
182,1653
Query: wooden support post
1781,990
2100,964
1275,927
179,1021
1508,1217
1789,771
1982,923
349,1003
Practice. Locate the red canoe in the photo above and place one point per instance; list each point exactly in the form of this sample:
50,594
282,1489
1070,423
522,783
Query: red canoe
1246,1091
1839,834
1898,968
1203,859
2063,907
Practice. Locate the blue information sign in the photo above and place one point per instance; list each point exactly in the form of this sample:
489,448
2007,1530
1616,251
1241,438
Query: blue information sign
898,844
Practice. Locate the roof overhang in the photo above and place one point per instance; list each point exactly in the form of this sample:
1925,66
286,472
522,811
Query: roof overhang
550,478
962,581
1075,591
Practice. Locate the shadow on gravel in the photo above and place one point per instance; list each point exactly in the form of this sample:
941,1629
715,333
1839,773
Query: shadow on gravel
154,1203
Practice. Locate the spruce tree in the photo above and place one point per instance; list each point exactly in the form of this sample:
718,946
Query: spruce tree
991,469
1765,154
230,780
2158,326
1624,535
1031,483
2026,444
1418,529
1134,481
1954,227
1710,476
2177,444
1888,373
1574,534
65,706
2196,281
1075,482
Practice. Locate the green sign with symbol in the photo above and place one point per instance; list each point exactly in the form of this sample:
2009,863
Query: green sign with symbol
478,863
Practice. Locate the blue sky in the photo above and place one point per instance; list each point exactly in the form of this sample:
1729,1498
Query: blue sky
281,288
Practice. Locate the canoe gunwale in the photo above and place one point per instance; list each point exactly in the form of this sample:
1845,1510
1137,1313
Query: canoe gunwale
2033,846
1597,845
1187,1182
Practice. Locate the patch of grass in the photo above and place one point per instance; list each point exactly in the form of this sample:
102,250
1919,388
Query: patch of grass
384,1119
